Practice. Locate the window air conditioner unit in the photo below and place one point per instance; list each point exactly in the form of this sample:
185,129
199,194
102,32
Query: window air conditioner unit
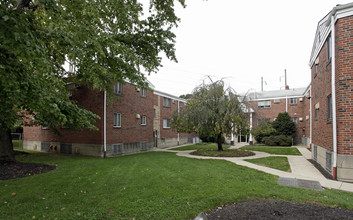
173,101
138,89
307,117
317,105
300,99
138,116
300,119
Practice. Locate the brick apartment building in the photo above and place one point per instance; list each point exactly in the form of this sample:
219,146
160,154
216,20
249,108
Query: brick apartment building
323,111
136,123
331,64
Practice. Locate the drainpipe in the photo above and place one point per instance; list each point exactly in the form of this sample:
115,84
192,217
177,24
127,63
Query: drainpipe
178,114
333,95
250,136
105,123
311,121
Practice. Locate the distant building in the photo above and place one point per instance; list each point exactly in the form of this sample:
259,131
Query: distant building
137,123
268,104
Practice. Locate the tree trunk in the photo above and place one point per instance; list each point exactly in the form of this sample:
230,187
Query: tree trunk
6,147
219,142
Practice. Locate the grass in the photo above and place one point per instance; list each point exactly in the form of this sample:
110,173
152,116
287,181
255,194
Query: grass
224,153
279,163
200,146
17,144
275,150
153,185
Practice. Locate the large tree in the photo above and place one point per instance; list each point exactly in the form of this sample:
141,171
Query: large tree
212,110
106,41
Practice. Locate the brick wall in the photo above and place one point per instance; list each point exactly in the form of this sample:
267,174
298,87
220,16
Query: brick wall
294,111
320,90
344,85
129,105
88,99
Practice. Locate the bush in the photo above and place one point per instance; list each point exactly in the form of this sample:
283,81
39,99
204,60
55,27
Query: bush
211,139
279,140
284,125
263,130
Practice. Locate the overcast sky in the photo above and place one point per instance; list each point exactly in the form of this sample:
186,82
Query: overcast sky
242,41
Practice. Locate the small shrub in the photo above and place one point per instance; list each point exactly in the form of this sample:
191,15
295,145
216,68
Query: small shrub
278,140
263,130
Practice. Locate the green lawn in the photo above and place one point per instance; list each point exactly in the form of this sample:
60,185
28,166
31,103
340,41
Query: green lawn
153,185
275,150
203,146
279,163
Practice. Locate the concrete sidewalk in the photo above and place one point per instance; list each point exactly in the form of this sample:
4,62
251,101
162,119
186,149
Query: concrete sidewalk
300,166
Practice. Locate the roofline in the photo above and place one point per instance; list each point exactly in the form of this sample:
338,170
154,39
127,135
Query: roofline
160,93
339,11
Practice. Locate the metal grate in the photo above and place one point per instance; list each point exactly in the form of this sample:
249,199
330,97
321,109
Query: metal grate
315,152
117,149
143,146
44,146
65,148
328,160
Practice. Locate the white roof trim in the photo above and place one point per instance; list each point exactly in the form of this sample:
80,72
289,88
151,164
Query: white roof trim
163,94
324,29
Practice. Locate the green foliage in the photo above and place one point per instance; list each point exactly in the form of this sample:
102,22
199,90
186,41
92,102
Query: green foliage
224,153
264,129
212,139
211,111
106,41
284,125
278,140
185,96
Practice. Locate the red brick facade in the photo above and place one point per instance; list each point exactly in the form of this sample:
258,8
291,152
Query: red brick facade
134,133
344,85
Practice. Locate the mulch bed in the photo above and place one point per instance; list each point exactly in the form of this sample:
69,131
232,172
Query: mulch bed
16,170
272,209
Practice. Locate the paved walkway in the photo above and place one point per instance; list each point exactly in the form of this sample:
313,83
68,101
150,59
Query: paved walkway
300,166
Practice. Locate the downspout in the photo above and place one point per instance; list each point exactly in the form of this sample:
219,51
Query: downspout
333,95
250,136
311,121
105,123
178,114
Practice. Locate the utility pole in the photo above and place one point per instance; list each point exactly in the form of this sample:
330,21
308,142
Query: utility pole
262,84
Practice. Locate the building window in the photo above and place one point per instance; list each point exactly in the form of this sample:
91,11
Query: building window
316,114
315,69
329,107
329,51
293,101
166,102
262,120
166,123
143,120
154,112
118,88
264,104
143,92
294,120
117,120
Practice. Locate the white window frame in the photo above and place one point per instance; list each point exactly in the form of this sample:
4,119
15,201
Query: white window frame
143,120
118,88
292,102
264,104
166,102
295,120
143,92
117,120
329,49
166,123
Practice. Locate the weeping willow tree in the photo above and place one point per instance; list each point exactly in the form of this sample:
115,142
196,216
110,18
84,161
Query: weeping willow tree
212,110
